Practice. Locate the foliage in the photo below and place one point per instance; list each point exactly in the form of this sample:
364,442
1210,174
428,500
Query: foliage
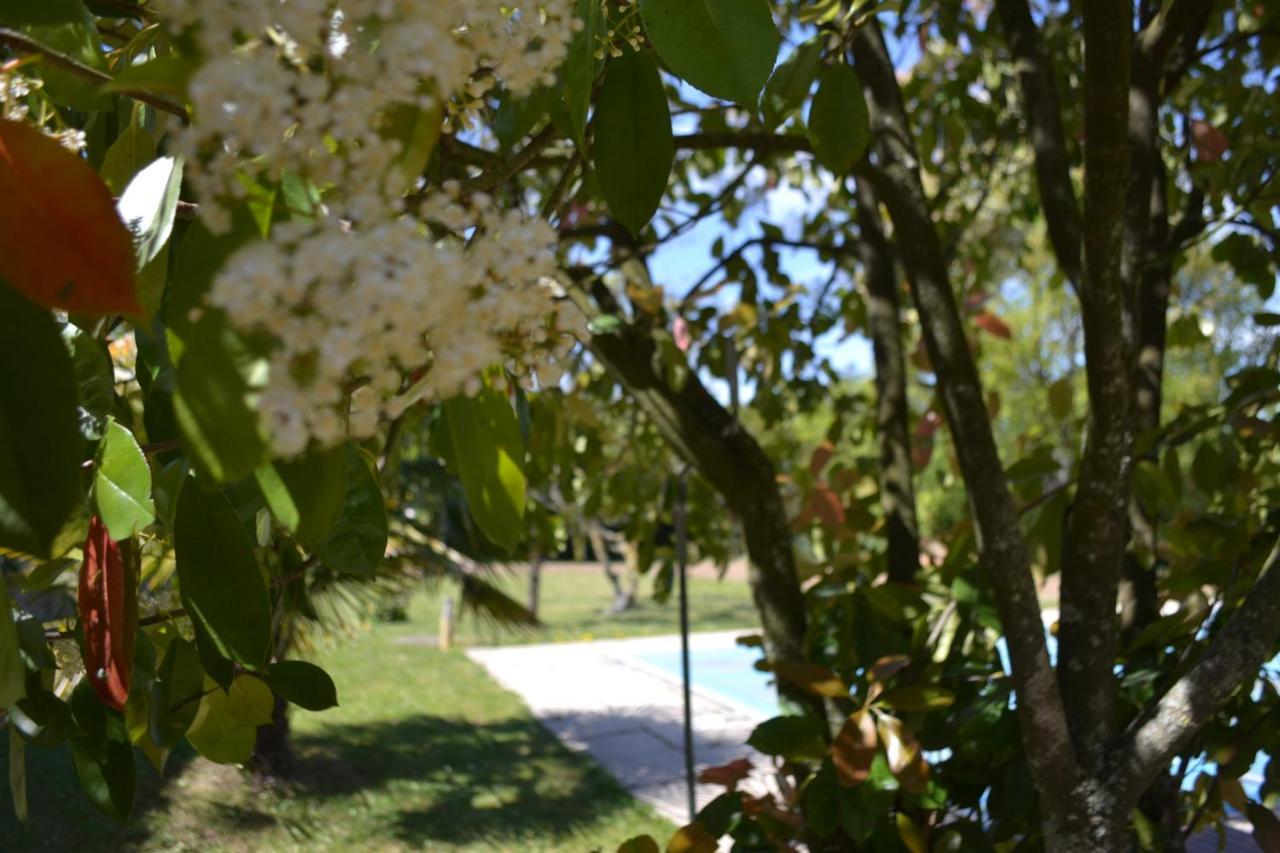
340,253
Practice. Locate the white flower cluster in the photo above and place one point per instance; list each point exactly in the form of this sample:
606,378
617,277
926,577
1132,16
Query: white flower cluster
15,92
373,303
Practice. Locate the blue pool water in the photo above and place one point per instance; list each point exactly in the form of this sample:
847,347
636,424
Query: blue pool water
729,672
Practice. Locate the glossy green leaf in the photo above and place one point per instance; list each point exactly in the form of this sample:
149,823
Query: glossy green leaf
20,12
250,701
304,684
126,157
122,483
489,455
306,495
102,755
919,698
175,696
40,444
789,736
211,404
18,774
12,672
357,540
221,585
43,719
581,67
79,39
217,734
633,142
164,75
149,205
790,83
839,124
726,48
94,378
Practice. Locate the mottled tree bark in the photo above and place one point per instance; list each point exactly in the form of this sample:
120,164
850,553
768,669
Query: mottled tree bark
893,436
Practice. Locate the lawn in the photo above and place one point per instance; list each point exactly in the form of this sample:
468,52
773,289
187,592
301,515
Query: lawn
574,604
425,751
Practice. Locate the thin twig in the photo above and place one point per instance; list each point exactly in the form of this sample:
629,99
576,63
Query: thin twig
20,42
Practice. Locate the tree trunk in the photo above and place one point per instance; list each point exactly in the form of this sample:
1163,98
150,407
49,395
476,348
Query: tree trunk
535,583
623,599
897,494
272,752
699,429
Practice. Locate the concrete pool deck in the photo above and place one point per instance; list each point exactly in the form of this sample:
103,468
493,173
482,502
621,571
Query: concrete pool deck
608,699
603,698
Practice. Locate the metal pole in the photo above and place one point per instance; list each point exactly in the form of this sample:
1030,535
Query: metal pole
682,565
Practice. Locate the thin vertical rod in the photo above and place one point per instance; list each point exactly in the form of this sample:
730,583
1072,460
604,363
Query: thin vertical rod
682,564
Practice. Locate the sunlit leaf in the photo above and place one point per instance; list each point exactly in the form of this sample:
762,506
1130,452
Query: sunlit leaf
122,483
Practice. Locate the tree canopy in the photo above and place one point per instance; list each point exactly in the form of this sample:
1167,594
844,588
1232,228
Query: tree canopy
273,273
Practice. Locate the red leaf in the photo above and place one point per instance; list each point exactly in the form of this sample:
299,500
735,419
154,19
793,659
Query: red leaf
825,504
108,605
1210,143
821,456
993,325
930,422
728,775
62,244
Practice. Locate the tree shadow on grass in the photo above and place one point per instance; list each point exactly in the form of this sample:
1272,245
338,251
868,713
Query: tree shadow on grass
494,783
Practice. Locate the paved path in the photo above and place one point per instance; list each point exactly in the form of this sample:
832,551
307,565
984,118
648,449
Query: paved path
600,697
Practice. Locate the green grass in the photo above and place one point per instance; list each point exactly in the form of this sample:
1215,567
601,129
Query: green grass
574,606
425,752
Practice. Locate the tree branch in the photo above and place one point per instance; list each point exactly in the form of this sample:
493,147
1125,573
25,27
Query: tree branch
1233,658
19,42
1004,555
1044,127
1098,529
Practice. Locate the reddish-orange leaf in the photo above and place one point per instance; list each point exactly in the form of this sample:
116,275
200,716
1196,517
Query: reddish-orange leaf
1210,143
821,456
108,615
825,504
62,244
728,775
813,678
854,749
993,325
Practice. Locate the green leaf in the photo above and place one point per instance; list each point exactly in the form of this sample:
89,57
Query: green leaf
250,701
634,149
919,698
175,696
489,455
358,539
581,67
149,205
417,130
839,125
790,736
95,381
222,587
306,495
103,755
79,39
126,157
21,12
1061,396
791,81
12,672
304,684
122,484
164,75
43,719
726,48
40,445
211,404
217,734
201,254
